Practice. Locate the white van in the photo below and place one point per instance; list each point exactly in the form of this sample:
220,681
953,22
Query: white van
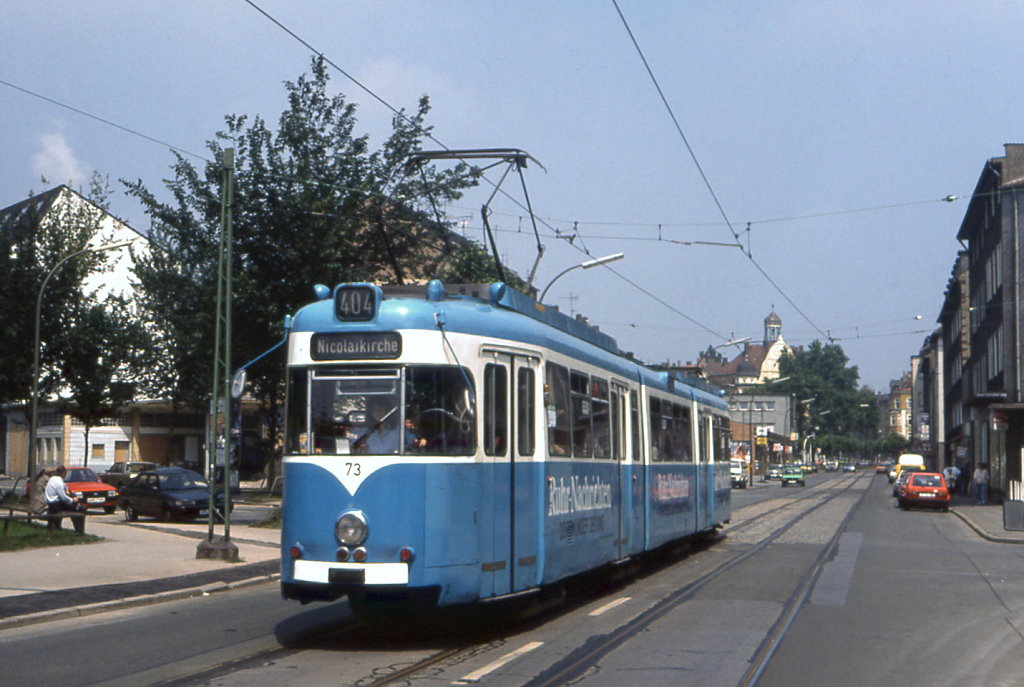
914,461
738,474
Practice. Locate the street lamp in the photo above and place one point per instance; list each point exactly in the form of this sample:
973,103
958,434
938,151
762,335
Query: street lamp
583,265
34,419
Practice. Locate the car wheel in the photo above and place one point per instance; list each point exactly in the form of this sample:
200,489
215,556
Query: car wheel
109,509
165,514
902,504
129,513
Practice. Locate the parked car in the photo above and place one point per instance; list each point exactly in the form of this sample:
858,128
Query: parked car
87,489
168,493
902,479
121,473
793,474
923,489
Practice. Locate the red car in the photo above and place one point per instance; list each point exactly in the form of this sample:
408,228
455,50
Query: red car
924,489
87,489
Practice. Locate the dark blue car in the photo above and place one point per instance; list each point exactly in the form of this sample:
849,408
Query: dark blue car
168,493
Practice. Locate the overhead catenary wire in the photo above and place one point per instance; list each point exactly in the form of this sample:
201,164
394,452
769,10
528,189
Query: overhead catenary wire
700,169
427,134
102,120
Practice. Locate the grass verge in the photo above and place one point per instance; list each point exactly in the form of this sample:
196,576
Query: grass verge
23,535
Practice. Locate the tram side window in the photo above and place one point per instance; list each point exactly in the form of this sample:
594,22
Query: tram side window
600,418
659,431
671,438
684,433
582,413
634,410
704,455
556,409
495,410
525,404
720,429
297,426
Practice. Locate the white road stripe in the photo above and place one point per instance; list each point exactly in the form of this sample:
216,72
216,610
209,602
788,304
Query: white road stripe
610,605
477,675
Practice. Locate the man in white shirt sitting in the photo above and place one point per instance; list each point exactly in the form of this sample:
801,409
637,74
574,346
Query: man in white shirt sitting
58,500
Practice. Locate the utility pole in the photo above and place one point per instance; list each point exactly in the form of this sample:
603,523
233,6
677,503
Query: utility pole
218,433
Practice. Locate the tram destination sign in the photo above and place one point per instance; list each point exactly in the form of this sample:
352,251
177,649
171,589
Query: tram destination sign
356,346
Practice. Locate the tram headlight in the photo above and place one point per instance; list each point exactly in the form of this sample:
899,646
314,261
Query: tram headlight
351,528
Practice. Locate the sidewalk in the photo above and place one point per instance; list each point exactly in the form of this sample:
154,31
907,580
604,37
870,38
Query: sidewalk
986,520
135,563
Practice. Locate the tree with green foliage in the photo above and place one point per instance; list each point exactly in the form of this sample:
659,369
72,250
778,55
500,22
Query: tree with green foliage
104,349
36,235
313,204
830,404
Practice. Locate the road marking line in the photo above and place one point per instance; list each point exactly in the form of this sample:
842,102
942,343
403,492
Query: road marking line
477,675
609,606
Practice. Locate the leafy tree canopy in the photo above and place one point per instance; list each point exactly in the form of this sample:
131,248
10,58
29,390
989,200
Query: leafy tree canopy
826,389
312,204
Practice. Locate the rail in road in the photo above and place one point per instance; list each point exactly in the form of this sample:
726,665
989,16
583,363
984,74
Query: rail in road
526,653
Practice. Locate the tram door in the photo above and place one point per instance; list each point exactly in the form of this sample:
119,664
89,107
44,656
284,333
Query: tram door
509,445
706,474
620,424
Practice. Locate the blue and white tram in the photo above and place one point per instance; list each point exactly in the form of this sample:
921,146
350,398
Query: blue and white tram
451,445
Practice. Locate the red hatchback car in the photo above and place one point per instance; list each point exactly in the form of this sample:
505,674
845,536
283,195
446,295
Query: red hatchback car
87,489
924,489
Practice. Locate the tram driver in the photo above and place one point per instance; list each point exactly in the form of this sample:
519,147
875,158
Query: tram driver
382,434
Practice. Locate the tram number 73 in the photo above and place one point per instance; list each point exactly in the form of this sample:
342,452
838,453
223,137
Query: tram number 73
353,469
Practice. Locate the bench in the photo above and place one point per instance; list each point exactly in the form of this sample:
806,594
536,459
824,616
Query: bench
53,520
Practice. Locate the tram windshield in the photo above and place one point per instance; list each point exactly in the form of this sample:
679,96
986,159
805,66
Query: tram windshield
421,409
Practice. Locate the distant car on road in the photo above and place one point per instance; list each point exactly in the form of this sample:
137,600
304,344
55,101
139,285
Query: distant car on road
774,472
831,465
168,493
793,474
122,473
849,467
923,489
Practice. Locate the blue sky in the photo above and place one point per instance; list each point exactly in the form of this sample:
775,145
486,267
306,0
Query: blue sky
833,128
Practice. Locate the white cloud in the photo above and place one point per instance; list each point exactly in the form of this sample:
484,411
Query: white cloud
57,162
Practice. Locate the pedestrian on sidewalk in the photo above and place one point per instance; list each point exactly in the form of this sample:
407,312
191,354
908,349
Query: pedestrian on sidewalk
952,475
37,492
58,500
980,479
965,480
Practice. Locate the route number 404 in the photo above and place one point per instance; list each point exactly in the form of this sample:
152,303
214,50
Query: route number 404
353,469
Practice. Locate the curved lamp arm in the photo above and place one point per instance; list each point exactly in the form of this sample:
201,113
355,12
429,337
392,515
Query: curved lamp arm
583,265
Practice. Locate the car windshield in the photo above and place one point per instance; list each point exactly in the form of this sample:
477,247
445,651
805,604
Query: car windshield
81,475
183,480
927,481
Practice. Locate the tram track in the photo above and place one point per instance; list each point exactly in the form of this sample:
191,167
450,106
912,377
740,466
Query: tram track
577,663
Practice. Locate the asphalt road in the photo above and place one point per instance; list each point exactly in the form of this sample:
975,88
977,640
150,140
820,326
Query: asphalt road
825,585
